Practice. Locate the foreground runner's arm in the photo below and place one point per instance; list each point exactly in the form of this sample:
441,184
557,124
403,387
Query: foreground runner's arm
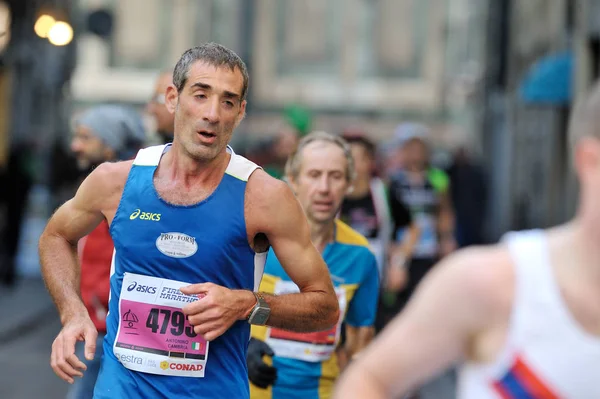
454,304
272,210
60,268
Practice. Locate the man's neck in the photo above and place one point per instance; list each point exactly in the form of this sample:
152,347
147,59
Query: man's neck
321,234
183,168
361,187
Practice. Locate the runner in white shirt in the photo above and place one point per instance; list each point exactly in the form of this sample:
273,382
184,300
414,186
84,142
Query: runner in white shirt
523,316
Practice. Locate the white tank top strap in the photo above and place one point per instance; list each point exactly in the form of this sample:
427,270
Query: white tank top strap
150,156
531,261
240,167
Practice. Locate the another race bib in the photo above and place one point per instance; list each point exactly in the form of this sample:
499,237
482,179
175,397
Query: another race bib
310,347
154,336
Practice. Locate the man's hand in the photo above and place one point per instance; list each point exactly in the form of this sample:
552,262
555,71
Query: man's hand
217,309
260,373
63,360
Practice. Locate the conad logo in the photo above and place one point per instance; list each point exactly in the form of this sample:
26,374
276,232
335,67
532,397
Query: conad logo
185,367
182,367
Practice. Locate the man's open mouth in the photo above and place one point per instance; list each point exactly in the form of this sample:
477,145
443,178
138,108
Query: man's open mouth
206,134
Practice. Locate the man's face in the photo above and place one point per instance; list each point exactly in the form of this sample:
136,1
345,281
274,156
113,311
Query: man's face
89,149
415,155
207,110
363,162
322,181
156,107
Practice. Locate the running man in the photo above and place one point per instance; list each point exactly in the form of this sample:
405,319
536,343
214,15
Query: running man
305,366
191,223
523,315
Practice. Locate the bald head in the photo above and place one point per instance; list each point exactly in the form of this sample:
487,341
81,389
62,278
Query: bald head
585,117
156,106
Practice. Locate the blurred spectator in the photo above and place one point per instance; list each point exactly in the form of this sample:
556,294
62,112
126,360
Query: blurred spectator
273,154
372,212
64,176
368,208
469,194
102,133
426,192
156,107
16,182
299,118
389,159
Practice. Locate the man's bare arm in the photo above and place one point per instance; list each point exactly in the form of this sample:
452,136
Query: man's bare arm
454,304
60,267
277,213
58,243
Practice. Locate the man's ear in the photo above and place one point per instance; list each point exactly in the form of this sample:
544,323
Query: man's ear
171,98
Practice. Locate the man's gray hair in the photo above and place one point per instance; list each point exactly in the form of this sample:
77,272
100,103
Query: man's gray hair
294,162
212,54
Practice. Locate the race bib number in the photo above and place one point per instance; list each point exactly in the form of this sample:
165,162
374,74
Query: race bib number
310,347
154,336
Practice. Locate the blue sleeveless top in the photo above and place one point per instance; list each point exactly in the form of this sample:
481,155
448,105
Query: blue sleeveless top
216,250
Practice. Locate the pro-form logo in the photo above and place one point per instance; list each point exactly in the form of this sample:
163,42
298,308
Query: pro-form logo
141,288
155,217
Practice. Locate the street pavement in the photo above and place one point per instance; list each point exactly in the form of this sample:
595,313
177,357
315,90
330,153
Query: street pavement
28,325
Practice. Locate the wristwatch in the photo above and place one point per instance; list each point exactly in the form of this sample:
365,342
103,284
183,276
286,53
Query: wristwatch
261,311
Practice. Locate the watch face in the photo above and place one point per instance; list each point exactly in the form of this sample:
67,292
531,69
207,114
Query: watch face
261,316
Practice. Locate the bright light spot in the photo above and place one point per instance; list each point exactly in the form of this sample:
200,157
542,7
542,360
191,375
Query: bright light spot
43,25
60,34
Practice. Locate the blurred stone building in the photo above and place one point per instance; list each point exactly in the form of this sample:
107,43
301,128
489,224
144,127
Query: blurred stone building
497,75
367,62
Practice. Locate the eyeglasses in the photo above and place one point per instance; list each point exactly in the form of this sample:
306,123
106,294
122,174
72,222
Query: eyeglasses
158,99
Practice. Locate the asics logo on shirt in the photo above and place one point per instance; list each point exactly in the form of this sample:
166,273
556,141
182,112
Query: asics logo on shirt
155,217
